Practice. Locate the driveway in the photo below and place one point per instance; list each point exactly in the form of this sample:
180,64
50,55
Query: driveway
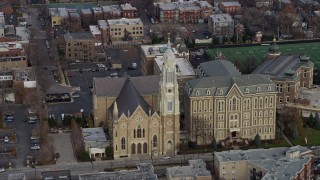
63,146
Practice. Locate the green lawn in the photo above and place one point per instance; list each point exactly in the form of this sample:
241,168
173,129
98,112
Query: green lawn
259,53
312,135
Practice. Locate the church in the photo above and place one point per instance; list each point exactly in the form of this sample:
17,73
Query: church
142,113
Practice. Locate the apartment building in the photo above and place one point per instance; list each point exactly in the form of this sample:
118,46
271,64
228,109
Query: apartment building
227,106
230,7
128,11
86,17
275,163
74,20
112,12
125,29
97,14
59,16
96,33
221,25
184,12
288,72
12,55
104,28
79,46
263,3
2,20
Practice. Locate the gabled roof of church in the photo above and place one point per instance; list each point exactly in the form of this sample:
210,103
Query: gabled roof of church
129,99
219,68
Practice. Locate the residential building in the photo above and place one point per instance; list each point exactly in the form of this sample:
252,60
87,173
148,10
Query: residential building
79,46
125,29
275,163
264,3
6,79
221,25
25,76
230,7
224,105
2,29
196,170
86,17
2,20
6,8
12,55
143,171
184,12
97,14
142,113
288,72
95,141
75,20
59,16
56,174
112,12
104,28
128,11
150,52
96,33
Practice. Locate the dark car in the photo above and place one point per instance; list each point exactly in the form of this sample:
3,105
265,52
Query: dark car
8,117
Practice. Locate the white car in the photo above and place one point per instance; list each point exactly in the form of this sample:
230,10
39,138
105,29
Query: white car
32,111
6,139
36,147
2,170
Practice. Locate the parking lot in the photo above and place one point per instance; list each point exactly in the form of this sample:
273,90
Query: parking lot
80,76
23,134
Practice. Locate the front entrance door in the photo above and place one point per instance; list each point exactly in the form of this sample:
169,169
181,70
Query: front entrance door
233,134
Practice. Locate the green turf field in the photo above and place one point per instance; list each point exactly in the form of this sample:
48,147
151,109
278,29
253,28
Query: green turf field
259,53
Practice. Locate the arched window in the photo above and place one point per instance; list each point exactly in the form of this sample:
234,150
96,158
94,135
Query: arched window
260,102
143,133
134,133
194,106
266,102
145,148
210,105
258,89
200,106
123,143
139,148
205,106
155,141
221,92
116,134
133,148
139,132
208,92
271,101
197,93
247,90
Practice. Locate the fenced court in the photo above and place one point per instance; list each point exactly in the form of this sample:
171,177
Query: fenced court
259,52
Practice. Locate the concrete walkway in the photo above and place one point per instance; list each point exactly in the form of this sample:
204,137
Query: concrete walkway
287,139
63,146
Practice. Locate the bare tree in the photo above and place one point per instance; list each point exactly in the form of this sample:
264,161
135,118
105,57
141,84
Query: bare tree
76,138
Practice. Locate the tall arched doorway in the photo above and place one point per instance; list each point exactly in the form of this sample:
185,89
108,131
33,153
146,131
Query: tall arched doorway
139,148
133,148
145,148
169,146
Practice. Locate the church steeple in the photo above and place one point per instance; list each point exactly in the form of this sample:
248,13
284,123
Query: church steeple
169,94
169,42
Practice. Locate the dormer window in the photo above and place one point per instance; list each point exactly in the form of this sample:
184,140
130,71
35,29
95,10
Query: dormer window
197,93
208,92
221,92
258,89
247,90
269,88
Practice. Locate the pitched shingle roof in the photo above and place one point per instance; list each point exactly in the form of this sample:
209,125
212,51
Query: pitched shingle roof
218,68
129,99
111,87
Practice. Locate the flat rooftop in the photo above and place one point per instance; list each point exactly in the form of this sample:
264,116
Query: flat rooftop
24,74
125,21
63,12
86,11
196,168
112,8
231,3
221,17
144,171
127,6
94,29
97,10
103,24
154,50
274,160
78,35
183,66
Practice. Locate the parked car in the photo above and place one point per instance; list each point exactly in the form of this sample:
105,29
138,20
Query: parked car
32,119
35,141
8,117
32,111
75,95
2,170
35,147
34,137
6,139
